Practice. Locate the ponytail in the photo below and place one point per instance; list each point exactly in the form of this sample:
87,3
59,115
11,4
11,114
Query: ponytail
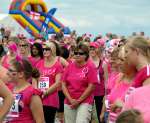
142,44
35,73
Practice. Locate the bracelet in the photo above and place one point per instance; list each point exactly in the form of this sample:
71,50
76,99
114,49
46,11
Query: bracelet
46,93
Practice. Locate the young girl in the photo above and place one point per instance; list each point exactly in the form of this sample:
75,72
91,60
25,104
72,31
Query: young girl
130,116
27,107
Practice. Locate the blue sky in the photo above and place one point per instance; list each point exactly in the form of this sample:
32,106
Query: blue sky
116,16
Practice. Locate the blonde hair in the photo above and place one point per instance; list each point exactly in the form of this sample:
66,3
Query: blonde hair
52,46
141,43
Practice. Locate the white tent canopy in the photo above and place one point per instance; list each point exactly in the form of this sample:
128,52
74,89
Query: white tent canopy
11,24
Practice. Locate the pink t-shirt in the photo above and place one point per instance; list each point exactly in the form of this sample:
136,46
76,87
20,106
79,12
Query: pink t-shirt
25,114
77,80
70,61
141,76
33,60
49,73
111,81
99,88
118,92
140,100
107,64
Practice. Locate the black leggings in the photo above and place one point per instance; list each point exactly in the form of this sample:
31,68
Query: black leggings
61,102
98,104
49,114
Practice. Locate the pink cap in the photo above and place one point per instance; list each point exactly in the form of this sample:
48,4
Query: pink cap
94,44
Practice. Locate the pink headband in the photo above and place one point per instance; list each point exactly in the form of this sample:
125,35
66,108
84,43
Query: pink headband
13,47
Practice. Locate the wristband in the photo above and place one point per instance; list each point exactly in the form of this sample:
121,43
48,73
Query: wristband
46,93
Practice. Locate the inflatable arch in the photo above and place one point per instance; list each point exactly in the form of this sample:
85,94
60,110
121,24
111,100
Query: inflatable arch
34,16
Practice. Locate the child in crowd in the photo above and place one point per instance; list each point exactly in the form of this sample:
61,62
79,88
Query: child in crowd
130,116
27,107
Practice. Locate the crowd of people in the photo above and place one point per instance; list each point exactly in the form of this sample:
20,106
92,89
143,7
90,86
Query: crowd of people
74,79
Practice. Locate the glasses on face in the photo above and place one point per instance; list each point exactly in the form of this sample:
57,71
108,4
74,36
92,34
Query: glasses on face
92,48
11,70
46,49
79,53
23,45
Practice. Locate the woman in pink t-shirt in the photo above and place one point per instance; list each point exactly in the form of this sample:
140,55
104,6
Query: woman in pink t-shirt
123,82
110,81
36,53
50,68
119,83
96,57
24,48
27,107
138,54
79,81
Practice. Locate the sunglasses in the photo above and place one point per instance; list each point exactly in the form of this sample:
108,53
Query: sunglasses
46,49
79,53
23,45
11,70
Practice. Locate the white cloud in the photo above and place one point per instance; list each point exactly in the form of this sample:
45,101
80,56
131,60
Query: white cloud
63,5
76,23
2,16
100,16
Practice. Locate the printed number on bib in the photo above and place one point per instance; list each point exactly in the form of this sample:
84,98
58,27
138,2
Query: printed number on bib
15,106
43,83
14,111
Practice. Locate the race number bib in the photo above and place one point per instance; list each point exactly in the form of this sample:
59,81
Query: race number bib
43,83
15,107
14,111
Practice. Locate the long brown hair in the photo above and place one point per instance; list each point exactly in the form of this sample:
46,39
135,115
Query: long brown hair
23,65
130,116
